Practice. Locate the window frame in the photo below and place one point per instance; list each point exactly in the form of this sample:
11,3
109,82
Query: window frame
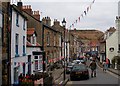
38,62
48,39
23,24
16,45
17,19
24,53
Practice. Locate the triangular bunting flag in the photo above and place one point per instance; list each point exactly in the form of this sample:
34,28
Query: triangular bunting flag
85,12
82,15
79,19
87,9
76,21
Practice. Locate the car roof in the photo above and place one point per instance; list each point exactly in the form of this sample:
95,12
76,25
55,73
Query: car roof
79,65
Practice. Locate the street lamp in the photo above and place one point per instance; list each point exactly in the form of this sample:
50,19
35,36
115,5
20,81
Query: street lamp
64,24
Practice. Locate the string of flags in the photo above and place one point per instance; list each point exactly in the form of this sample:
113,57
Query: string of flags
82,15
33,62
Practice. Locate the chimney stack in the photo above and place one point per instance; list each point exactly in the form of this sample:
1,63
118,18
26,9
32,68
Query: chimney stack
46,20
36,15
56,22
27,8
19,4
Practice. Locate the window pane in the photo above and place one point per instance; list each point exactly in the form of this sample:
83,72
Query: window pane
24,24
16,39
17,18
23,40
36,57
36,64
16,43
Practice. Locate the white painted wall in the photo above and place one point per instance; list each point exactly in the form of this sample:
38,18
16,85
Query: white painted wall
29,52
19,30
112,41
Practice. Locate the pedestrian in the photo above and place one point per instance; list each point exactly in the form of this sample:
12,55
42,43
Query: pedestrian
105,66
93,67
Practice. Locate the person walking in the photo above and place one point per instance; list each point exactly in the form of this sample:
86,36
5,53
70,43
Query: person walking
105,66
93,67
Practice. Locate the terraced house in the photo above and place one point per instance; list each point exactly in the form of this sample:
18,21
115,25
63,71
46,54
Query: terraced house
18,44
48,38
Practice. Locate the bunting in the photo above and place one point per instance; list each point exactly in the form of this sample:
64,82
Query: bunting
85,12
82,15
33,62
79,19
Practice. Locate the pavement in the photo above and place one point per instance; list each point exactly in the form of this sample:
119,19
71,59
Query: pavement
115,71
58,77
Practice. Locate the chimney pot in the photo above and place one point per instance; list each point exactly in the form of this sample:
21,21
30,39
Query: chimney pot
25,6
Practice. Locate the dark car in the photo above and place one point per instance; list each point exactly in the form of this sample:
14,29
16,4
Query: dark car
79,71
68,68
82,60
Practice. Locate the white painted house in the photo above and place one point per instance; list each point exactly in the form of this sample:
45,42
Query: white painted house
34,52
112,44
18,44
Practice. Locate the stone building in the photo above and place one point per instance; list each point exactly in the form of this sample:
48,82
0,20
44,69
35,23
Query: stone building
47,37
5,41
89,39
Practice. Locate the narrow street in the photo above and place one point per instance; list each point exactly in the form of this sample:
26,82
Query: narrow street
38,41
102,78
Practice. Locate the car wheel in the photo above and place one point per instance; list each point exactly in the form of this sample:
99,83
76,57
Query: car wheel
71,78
87,77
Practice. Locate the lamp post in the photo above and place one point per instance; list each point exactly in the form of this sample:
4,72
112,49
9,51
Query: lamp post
64,24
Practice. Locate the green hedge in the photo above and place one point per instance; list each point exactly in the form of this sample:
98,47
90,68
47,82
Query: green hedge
117,59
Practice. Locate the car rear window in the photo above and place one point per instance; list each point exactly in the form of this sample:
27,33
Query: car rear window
79,67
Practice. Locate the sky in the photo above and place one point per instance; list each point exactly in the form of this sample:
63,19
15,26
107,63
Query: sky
101,16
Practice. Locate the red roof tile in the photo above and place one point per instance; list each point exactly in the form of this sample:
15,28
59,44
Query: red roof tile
30,31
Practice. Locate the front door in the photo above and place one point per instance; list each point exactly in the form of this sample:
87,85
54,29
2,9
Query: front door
16,75
29,64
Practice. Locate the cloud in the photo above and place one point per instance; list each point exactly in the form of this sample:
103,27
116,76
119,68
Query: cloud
102,15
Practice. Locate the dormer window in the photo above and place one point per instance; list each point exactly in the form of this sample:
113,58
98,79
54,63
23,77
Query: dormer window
31,36
33,39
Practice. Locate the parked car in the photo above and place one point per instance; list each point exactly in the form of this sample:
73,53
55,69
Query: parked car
79,71
76,61
83,61
79,61
69,67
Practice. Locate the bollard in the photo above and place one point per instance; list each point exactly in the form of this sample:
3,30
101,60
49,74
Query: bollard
115,66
